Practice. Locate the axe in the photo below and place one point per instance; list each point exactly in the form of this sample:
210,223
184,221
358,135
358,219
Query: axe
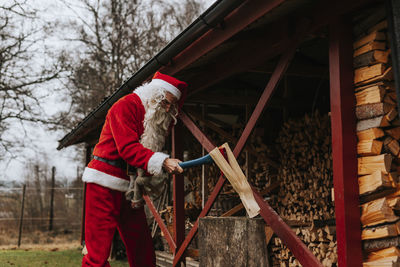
207,159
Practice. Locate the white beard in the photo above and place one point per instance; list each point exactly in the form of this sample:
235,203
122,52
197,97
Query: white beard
156,120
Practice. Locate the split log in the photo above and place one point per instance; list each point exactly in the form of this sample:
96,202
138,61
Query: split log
387,230
372,182
369,147
367,73
383,253
373,36
368,165
370,95
369,47
379,27
370,58
374,245
372,133
380,121
386,76
394,132
377,212
369,111
384,262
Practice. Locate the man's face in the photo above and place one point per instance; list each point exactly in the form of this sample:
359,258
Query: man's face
169,101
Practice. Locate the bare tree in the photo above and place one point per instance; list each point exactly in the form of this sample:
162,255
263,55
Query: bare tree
22,71
116,38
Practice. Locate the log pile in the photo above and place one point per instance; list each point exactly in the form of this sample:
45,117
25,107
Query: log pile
378,132
320,241
306,180
305,173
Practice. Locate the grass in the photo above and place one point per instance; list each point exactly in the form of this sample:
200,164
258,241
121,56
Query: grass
40,258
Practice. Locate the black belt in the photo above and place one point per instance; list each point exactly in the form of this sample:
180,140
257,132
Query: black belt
119,163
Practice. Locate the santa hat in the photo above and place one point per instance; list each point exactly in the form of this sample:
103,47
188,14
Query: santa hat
169,84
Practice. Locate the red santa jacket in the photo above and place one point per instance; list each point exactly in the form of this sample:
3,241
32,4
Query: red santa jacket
119,138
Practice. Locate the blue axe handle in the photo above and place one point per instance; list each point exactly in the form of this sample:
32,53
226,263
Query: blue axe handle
195,162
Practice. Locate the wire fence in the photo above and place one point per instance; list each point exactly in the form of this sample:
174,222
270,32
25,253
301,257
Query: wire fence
26,210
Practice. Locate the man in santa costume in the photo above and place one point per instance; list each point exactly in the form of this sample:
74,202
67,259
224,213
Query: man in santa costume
134,133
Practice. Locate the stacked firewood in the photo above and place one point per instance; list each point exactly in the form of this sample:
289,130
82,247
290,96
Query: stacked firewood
378,132
305,173
305,176
320,241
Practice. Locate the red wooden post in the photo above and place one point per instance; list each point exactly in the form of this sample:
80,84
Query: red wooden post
157,217
178,190
348,232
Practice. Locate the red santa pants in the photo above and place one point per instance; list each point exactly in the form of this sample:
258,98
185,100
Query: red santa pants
107,210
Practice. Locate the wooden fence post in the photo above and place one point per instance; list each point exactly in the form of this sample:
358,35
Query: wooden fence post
53,172
22,215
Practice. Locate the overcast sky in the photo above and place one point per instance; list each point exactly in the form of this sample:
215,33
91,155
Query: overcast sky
42,143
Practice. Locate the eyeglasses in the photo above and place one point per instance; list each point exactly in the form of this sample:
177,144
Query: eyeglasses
167,104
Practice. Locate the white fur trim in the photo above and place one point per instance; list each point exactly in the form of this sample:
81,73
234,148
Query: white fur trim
167,86
94,176
154,166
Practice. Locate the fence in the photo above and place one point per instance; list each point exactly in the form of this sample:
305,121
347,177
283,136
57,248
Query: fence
27,211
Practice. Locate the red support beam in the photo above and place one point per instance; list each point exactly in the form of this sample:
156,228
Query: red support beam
285,233
178,189
157,217
344,143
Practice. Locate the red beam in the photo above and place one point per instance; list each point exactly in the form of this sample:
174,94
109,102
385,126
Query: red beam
157,217
244,15
285,233
344,143
178,189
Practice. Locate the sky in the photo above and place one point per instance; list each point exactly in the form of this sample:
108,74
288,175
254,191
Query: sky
42,143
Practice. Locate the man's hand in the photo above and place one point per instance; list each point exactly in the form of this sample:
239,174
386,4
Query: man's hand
171,166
